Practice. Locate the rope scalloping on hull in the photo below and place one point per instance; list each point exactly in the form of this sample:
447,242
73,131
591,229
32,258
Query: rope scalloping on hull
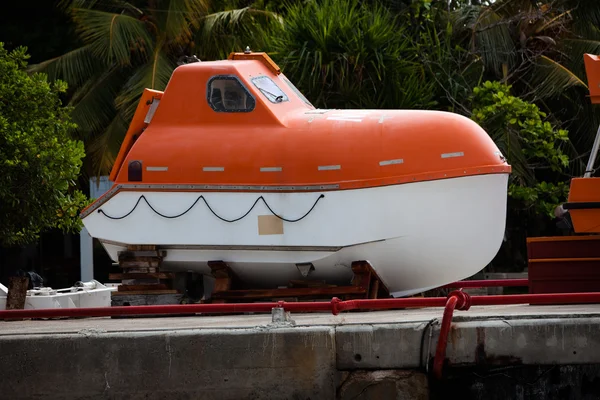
212,211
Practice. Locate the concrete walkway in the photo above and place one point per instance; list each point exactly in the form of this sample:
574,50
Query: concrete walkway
319,356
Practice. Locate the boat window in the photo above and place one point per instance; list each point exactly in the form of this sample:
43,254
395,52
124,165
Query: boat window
225,93
269,89
295,89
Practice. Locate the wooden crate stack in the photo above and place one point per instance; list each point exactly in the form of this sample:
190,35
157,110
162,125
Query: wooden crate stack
142,281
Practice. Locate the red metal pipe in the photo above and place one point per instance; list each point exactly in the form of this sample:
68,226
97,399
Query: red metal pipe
461,301
388,304
456,300
174,309
489,283
335,306
440,352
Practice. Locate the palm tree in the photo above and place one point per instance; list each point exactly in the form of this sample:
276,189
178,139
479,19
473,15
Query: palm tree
129,46
538,48
351,54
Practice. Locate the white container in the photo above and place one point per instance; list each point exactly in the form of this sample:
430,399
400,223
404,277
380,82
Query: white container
82,295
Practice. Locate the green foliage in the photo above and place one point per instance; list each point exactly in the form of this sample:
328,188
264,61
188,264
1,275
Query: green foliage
129,46
351,54
38,159
530,144
537,47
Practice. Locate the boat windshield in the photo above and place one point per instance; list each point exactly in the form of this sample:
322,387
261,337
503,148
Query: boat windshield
269,89
295,89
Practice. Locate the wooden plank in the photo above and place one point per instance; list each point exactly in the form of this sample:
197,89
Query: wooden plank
141,247
301,283
554,260
142,262
374,289
362,275
129,288
141,270
136,257
287,292
149,253
17,292
575,238
141,275
222,274
144,292
220,269
129,282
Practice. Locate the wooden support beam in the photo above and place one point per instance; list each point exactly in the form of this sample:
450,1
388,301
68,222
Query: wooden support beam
287,292
137,288
148,275
222,274
143,292
365,285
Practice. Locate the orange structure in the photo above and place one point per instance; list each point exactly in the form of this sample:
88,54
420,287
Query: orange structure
300,145
561,264
233,164
583,204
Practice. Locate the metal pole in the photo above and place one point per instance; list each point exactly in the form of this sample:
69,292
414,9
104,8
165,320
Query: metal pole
593,155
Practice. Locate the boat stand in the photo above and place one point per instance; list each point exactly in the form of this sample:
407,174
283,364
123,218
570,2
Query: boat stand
365,284
142,281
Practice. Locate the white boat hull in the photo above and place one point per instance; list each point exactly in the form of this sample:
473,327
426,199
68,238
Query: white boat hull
417,236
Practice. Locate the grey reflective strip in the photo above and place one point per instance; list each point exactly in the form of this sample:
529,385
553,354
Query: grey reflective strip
270,169
329,167
450,155
157,169
391,162
213,169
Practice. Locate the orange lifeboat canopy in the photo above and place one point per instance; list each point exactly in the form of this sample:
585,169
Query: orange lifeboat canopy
241,125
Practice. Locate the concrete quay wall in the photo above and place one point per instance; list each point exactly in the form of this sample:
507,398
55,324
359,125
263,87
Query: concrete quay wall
517,357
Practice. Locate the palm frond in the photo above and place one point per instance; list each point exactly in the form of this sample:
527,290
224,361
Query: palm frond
585,120
180,18
586,14
93,103
103,148
348,54
509,143
551,78
68,4
491,39
221,32
75,67
575,48
236,17
117,6
155,74
112,37
553,22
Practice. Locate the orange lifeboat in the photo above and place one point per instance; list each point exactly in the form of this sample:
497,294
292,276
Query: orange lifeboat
233,163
